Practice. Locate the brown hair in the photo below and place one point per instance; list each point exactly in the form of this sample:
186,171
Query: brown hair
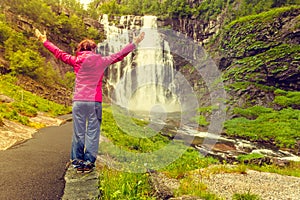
86,45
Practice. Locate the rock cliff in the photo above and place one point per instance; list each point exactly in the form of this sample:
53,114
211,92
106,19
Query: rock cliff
259,54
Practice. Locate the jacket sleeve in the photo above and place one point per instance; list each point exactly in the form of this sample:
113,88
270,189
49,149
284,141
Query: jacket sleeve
60,54
116,57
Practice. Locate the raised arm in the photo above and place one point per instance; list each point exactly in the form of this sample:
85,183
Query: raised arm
116,57
139,38
58,53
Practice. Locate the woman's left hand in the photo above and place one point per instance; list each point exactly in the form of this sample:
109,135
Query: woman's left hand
41,37
139,38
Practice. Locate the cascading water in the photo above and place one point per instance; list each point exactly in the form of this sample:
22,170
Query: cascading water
145,82
148,82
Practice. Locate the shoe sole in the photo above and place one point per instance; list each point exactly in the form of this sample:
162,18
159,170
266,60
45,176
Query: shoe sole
87,170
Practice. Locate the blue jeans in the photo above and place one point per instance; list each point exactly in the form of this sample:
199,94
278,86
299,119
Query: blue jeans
87,117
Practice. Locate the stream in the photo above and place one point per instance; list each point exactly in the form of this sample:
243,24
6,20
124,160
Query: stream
224,148
149,81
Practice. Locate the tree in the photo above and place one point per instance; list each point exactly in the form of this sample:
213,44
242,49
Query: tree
26,63
5,30
15,42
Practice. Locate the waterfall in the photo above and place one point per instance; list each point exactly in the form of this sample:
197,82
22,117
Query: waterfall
143,82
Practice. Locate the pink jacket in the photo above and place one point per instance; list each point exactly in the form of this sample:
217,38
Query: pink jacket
89,68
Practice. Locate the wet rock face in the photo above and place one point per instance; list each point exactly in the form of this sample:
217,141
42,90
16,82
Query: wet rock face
255,55
198,30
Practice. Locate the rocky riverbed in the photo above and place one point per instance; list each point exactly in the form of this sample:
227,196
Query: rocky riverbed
228,149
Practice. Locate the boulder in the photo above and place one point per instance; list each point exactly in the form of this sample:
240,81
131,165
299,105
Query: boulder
5,99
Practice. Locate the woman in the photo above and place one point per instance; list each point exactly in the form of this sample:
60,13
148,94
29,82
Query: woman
89,68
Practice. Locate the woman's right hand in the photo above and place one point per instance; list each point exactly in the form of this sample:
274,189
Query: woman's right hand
41,37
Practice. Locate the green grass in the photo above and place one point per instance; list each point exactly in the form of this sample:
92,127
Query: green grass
127,179
191,182
275,60
245,196
259,123
287,98
189,161
194,187
293,169
25,104
135,148
262,17
116,184
249,157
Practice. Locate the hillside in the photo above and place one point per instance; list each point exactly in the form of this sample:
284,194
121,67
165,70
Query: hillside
259,54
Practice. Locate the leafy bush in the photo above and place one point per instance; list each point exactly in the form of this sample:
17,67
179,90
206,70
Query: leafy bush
26,63
69,79
15,116
201,120
5,30
22,52
207,9
24,57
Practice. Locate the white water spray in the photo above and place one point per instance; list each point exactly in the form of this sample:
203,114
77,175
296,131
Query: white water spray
143,83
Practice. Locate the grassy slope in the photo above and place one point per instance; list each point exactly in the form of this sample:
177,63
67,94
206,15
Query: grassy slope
263,64
25,104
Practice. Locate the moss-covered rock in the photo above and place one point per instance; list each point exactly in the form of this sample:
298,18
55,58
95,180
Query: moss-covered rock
259,54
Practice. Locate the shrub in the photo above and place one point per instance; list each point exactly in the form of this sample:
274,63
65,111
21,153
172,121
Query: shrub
245,196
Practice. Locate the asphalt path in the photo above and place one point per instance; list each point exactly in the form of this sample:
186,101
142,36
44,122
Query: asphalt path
35,169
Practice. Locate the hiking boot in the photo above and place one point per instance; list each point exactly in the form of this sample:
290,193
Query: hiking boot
88,167
78,165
